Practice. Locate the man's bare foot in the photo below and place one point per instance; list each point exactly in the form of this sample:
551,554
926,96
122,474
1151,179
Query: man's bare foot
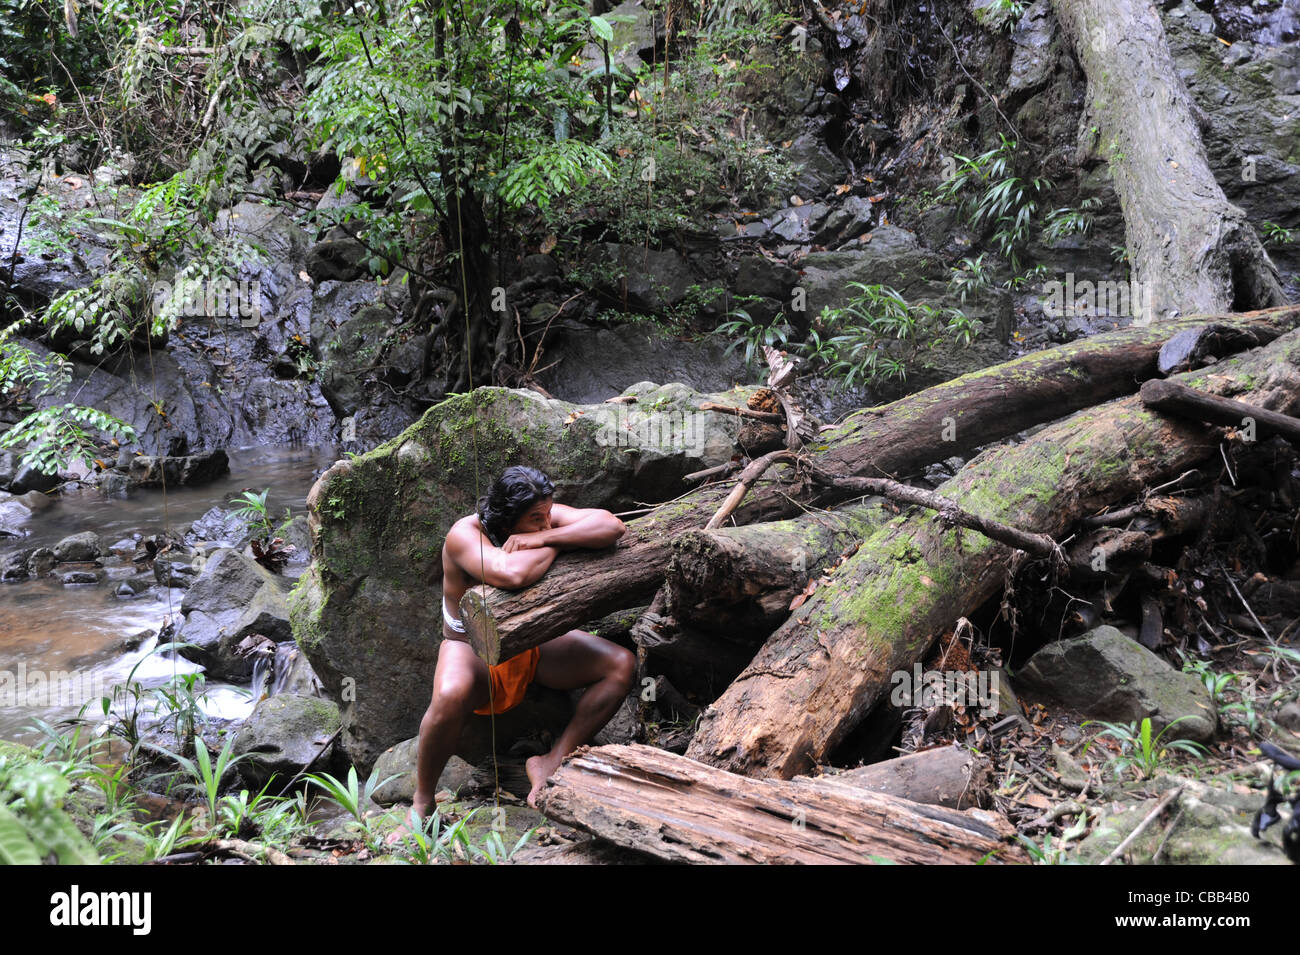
539,769
415,819
411,823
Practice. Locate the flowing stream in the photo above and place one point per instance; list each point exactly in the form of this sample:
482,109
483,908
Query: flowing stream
70,638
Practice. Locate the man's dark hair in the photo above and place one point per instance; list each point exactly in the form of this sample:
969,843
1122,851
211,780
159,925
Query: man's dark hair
514,492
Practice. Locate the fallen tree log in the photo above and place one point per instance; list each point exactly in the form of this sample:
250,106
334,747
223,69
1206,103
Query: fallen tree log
744,578
680,810
945,776
949,419
1192,250
824,669
1175,398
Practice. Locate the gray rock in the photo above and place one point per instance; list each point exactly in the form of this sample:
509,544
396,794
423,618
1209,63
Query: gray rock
221,525
1106,676
1033,59
799,223
14,566
293,672
80,577
599,363
228,580
361,610
339,257
399,761
84,546
285,734
13,513
30,479
649,280
893,258
176,471
849,220
819,169
174,572
756,275
1289,716
41,562
1209,824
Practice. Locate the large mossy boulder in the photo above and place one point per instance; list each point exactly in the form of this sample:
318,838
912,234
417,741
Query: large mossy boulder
366,611
1106,676
284,734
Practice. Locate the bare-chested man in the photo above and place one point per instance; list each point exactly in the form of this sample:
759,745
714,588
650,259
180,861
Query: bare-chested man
510,543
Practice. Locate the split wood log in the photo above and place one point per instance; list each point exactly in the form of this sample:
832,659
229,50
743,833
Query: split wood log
1175,398
900,437
679,810
827,666
945,776
1192,250
744,578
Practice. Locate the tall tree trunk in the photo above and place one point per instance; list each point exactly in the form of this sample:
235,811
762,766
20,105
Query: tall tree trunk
1192,250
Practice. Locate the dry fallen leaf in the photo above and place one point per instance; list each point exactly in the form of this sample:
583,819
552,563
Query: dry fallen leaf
547,244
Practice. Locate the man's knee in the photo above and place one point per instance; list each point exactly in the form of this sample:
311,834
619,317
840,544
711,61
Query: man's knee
452,695
622,666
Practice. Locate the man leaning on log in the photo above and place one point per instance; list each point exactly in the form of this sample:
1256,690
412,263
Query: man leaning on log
510,542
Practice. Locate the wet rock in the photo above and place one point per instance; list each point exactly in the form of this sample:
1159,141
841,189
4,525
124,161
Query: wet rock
221,525
296,532
819,169
132,642
80,577
233,598
361,611
125,547
1033,59
84,546
757,275
281,237
14,566
293,672
850,220
175,572
596,364
41,562
1106,676
1208,824
648,280
893,257
284,734
30,479
399,761
13,513
177,471
339,257
799,223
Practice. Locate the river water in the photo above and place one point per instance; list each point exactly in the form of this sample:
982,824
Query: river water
49,628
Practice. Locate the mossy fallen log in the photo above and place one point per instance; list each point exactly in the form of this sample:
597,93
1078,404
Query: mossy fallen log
901,437
832,661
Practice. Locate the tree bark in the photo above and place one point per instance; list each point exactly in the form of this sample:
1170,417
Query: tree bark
1174,398
827,666
679,810
946,776
1192,250
904,436
744,578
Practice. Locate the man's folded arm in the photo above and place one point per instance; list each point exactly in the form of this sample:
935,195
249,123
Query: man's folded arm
495,567
583,527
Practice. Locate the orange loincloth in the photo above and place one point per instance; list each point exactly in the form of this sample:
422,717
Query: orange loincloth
510,681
